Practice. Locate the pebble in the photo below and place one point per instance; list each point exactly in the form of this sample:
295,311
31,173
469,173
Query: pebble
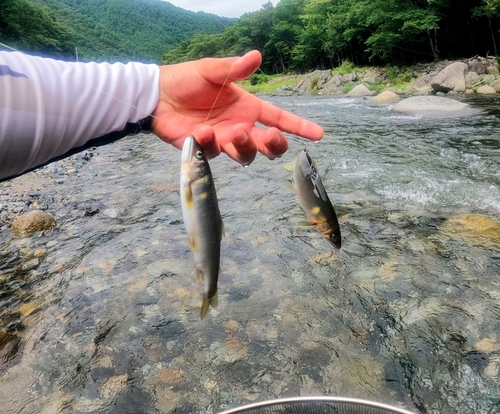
30,264
111,212
32,222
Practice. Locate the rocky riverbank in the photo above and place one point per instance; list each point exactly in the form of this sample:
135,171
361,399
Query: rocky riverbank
26,193
468,76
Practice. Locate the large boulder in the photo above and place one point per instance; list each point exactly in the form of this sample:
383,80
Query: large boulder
434,107
358,91
451,78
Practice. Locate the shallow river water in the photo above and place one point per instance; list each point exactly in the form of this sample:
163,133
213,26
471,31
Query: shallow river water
101,314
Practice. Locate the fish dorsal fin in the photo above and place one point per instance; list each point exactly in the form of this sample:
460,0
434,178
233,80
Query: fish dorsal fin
318,188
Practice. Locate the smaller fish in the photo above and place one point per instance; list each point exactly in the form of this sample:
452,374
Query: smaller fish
313,198
202,218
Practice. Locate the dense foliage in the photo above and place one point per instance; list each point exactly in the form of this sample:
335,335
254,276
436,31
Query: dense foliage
308,34
102,29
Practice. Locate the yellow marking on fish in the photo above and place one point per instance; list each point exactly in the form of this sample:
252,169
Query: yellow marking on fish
203,195
315,210
188,197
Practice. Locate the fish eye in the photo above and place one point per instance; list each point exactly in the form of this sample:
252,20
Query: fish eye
199,154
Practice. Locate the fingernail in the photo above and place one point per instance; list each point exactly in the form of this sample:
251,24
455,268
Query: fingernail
275,141
242,139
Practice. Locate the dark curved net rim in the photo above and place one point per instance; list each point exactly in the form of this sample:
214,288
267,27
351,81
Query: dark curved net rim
317,405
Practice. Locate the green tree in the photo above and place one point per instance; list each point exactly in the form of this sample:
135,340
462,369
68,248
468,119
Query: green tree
28,27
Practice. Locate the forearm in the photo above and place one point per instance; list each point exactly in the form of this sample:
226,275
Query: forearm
48,107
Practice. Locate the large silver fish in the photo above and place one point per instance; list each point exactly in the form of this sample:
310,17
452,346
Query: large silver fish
313,198
202,219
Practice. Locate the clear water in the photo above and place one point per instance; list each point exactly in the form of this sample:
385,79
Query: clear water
106,318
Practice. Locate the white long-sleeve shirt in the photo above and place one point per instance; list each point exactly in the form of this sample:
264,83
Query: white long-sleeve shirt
48,107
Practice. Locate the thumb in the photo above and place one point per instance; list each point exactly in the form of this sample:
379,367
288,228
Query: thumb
220,70
245,66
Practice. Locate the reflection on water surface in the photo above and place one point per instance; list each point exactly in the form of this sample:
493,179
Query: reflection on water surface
101,314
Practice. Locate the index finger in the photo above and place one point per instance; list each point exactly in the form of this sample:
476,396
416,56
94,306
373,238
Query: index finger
273,116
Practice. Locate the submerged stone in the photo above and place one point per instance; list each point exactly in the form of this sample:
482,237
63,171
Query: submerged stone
473,229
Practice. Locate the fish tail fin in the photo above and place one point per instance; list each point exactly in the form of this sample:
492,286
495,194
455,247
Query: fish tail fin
207,302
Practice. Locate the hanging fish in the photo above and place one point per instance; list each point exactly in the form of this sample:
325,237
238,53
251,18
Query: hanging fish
313,198
202,218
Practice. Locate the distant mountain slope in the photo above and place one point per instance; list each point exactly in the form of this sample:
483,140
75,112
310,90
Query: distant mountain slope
110,30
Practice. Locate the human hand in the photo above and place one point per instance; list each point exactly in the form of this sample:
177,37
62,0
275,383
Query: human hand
192,91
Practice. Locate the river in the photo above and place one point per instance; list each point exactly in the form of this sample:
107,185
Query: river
101,314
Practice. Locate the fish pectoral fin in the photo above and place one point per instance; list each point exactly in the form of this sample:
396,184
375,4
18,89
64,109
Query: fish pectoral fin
222,229
305,223
290,186
289,166
199,275
192,242
207,302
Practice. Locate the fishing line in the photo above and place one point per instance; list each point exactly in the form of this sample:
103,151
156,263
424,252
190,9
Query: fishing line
217,97
8,47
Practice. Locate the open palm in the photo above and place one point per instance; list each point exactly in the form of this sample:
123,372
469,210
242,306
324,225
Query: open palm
199,98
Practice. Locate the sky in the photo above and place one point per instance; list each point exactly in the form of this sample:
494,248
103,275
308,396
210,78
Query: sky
225,8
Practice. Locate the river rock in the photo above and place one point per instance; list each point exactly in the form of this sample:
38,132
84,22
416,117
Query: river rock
359,90
386,96
486,90
492,70
472,78
421,86
451,78
286,91
32,222
496,85
473,229
370,80
477,67
433,106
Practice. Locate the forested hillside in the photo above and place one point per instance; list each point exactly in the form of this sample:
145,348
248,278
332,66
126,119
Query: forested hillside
316,34
102,29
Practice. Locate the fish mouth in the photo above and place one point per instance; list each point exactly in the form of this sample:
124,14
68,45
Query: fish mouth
188,148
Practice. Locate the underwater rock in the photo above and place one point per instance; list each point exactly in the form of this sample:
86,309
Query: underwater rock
32,222
473,229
